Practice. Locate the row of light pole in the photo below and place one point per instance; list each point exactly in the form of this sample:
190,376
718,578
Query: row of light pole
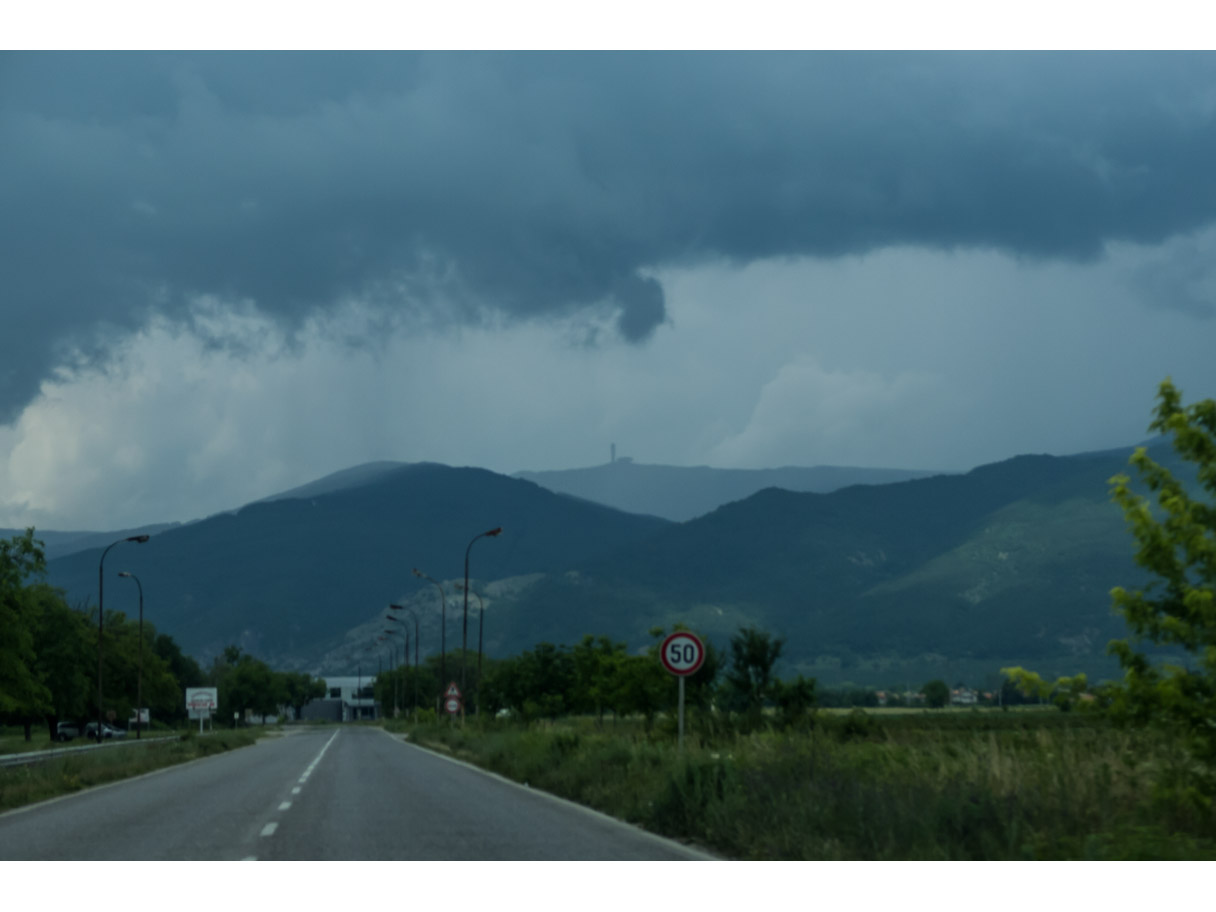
464,638
140,539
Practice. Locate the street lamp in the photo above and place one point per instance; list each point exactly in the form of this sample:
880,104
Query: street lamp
139,686
443,640
391,661
465,635
101,620
481,613
416,639
405,654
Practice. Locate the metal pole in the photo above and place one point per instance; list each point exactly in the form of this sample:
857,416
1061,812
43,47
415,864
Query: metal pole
101,620
465,630
139,686
417,639
481,610
139,681
481,614
443,668
681,743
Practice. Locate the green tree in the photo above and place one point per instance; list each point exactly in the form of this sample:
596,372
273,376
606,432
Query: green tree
538,682
23,696
66,648
1176,542
937,693
796,699
750,677
598,679
1029,684
647,687
184,669
301,688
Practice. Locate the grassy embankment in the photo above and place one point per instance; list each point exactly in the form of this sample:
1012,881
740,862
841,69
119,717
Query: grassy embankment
918,785
79,769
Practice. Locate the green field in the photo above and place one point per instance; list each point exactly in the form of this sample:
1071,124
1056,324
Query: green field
980,785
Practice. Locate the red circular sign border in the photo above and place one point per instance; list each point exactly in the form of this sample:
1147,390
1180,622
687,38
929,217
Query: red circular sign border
700,649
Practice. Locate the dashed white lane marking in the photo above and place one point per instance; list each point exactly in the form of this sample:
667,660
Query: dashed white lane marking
269,829
250,858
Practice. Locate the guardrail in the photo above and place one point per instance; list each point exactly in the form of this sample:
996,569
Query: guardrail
37,756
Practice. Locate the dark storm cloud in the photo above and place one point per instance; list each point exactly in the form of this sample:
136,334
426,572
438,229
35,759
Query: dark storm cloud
539,184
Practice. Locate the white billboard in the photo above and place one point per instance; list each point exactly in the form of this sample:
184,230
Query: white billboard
202,701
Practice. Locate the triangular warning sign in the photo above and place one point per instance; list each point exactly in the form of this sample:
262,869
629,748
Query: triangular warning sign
452,691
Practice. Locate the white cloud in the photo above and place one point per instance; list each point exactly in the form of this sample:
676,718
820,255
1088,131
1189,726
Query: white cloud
903,358
833,417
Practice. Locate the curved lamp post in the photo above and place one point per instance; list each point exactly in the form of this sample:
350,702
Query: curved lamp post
481,613
101,621
139,685
405,653
392,649
443,640
416,638
493,533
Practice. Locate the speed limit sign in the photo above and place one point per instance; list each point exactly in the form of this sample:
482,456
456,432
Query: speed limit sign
682,653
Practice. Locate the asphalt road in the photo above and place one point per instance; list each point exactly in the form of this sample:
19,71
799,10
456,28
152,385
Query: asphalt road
323,794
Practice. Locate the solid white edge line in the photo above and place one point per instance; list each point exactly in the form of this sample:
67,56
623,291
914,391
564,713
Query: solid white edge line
693,854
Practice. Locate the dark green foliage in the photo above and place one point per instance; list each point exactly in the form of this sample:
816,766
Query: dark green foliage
1176,541
23,695
937,693
983,785
750,683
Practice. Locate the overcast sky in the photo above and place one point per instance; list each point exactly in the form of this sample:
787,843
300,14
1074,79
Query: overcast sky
224,275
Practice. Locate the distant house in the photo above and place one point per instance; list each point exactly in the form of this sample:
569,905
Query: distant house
964,696
348,699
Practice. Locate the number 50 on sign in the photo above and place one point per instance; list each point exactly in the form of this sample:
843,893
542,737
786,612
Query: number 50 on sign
682,653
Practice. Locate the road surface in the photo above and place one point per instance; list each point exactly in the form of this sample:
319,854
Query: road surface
349,793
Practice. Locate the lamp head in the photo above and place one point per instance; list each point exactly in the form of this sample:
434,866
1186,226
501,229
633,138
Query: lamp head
493,532
139,538
123,573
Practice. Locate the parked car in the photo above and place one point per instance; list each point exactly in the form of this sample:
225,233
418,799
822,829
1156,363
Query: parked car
107,731
66,731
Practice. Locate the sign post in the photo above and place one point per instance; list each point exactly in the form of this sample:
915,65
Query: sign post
682,654
201,702
452,702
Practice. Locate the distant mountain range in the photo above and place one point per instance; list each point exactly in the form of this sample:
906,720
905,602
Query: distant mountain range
949,576
680,493
59,544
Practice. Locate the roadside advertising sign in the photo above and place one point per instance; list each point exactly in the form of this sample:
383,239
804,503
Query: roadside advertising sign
202,701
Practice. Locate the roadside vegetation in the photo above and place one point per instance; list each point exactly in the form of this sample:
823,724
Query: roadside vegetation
910,784
74,769
48,660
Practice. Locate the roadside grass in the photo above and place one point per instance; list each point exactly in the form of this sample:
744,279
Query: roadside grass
916,786
75,770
